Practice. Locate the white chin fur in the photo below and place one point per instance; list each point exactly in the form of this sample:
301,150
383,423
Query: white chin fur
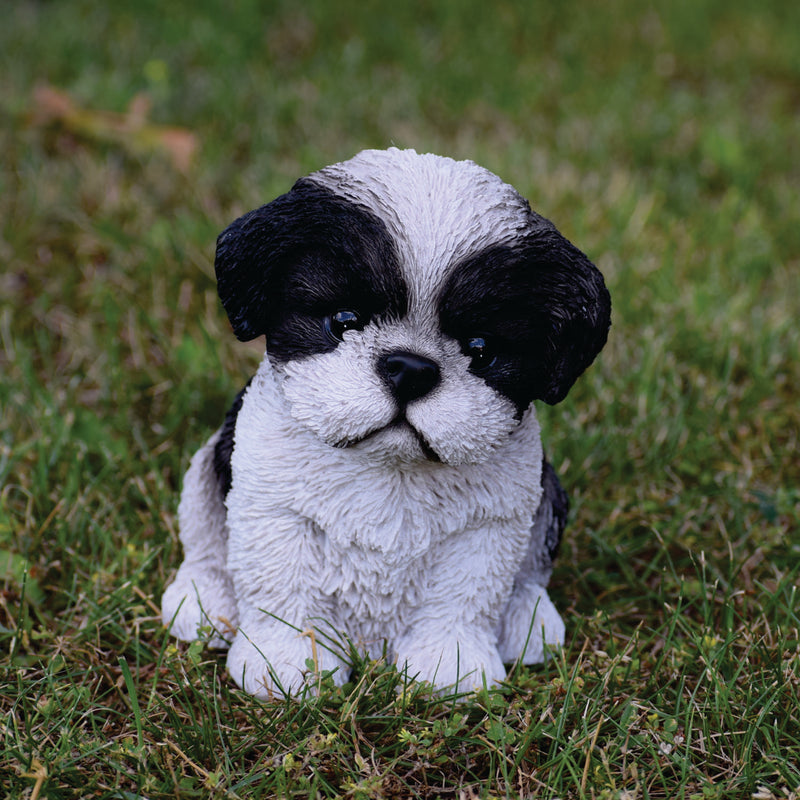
341,399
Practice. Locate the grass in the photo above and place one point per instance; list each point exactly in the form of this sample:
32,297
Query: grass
662,138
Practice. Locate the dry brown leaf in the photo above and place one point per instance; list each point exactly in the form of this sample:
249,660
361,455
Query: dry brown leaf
130,130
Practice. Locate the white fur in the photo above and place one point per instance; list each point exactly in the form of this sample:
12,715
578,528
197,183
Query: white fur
201,596
453,208
437,560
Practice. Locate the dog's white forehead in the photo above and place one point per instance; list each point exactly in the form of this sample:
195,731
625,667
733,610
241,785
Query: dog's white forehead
438,211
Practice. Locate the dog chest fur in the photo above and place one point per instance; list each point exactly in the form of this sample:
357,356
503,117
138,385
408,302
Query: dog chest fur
374,527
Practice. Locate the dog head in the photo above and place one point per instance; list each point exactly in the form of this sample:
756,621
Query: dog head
413,306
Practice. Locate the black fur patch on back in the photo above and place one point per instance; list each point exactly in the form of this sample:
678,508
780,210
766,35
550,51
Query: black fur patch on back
223,449
554,496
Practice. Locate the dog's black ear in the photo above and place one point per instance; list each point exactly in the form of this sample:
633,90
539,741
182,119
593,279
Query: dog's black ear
543,307
571,295
248,252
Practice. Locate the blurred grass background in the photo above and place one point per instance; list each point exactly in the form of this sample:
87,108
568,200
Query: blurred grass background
662,138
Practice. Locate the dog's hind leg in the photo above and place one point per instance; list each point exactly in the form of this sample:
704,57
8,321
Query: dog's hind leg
530,619
201,599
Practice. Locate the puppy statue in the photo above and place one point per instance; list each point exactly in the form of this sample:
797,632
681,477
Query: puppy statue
382,473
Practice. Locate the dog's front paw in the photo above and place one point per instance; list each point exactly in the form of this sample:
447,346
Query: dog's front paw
271,658
200,601
450,661
530,622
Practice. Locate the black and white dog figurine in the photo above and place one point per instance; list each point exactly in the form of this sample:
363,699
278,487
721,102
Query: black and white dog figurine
382,472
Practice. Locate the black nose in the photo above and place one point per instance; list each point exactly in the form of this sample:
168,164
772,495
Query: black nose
408,375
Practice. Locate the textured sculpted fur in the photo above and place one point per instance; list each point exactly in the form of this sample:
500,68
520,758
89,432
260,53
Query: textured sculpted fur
382,473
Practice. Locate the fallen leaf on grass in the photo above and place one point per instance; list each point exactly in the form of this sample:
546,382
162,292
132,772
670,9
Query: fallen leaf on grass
130,130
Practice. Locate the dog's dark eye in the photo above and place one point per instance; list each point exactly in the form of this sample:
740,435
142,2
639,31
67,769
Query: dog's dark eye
345,320
479,350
